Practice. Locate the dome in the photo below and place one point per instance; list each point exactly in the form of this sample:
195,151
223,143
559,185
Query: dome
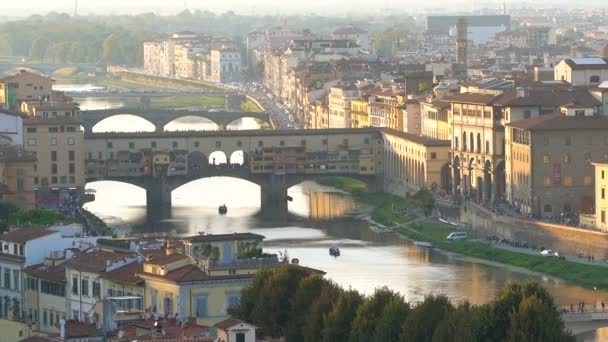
604,51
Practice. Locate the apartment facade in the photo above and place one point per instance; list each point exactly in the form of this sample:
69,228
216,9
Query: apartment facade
549,169
340,97
434,117
17,175
59,147
601,191
590,71
24,86
11,127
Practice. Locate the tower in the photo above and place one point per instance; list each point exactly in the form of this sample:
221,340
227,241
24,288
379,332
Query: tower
461,41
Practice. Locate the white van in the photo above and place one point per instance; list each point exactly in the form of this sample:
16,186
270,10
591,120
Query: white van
457,236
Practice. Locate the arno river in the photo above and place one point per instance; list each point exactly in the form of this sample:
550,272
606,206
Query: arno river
369,259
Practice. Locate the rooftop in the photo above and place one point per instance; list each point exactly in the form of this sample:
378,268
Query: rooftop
54,274
559,121
24,235
126,274
229,323
60,120
165,259
95,261
15,153
595,63
349,30
192,273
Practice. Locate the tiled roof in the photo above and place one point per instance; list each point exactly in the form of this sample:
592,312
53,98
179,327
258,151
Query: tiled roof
225,237
192,273
15,153
95,261
164,259
23,235
170,327
17,258
74,328
55,274
65,120
229,323
558,121
474,98
417,138
126,274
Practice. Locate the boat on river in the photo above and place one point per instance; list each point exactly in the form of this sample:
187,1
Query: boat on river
334,251
222,210
423,244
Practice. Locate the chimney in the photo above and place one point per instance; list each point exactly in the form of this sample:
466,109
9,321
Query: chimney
148,257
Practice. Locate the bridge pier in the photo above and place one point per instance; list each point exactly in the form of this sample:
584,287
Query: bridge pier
274,198
158,196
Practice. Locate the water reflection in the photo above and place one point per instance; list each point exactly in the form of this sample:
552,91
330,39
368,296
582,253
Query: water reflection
81,88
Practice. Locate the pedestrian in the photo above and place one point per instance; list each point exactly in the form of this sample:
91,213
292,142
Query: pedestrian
582,306
603,305
572,307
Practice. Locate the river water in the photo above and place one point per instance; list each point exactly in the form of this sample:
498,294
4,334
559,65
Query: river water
368,260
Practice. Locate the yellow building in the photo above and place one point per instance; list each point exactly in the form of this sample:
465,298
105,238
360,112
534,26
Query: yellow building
340,97
25,86
601,197
434,116
59,147
360,113
175,286
17,176
15,331
50,109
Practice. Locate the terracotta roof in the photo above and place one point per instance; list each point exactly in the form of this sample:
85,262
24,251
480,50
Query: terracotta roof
225,237
126,274
74,328
475,98
559,121
548,97
417,138
171,328
229,323
23,235
192,273
15,153
17,258
95,261
164,259
22,72
54,274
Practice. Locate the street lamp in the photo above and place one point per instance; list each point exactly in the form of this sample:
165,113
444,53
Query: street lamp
594,298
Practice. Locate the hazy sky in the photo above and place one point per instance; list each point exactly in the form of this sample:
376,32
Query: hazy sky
27,7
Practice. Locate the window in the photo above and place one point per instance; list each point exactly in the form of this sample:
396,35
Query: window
131,145
16,279
153,299
53,129
345,142
7,278
153,144
31,129
31,142
71,129
282,143
20,249
588,180
233,299
201,306
54,156
603,216
75,314
303,142
527,114
54,169
84,287
71,155
53,141
50,288
260,143
546,159
433,155
568,141
547,182
594,79
567,158
239,143
168,304
588,157
568,181
45,320
603,193
175,144
96,289
75,285
602,174
196,144
109,144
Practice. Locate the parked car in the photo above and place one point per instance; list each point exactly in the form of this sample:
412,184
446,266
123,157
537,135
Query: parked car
457,236
549,253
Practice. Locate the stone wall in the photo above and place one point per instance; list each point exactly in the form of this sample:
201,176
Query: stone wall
565,239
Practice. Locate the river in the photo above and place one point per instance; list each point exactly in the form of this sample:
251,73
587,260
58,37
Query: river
369,259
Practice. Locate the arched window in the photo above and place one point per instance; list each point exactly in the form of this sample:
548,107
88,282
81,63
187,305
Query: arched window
487,146
594,79
478,142
464,141
455,143
472,141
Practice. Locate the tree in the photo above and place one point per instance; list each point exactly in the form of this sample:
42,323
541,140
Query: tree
389,324
321,306
368,314
534,320
337,323
423,320
308,289
38,48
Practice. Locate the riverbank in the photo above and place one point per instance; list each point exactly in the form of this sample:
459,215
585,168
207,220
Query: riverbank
587,275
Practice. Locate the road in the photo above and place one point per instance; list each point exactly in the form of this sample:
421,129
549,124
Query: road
106,94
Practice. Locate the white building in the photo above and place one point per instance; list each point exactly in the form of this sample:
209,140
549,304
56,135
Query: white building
11,127
582,71
361,37
235,330
225,65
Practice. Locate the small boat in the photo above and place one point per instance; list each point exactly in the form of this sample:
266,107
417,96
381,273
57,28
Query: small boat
334,251
222,210
423,244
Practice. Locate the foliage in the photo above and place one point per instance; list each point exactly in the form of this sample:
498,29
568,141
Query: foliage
38,217
122,244
291,303
345,184
250,106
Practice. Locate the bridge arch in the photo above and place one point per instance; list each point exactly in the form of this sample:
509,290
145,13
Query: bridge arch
239,157
135,123
204,122
231,124
218,158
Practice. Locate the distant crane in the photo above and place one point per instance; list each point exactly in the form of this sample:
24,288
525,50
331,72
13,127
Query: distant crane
75,7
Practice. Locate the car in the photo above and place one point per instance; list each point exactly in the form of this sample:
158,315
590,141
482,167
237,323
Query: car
457,236
549,253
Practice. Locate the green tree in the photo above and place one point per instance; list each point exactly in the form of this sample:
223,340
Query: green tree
389,323
368,314
423,320
38,49
308,290
534,320
321,306
338,322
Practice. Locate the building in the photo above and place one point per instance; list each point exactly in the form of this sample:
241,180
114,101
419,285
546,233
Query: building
11,127
601,199
235,330
406,117
361,37
434,117
50,109
224,247
83,276
24,86
59,147
17,175
549,170
226,65
582,71
359,114
340,97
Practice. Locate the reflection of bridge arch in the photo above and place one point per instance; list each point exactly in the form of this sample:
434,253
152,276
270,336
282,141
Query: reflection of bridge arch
160,118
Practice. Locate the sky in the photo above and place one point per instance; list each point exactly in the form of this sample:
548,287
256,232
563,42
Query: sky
27,7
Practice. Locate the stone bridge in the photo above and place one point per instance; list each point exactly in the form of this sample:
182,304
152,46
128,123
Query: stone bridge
160,118
581,322
49,69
